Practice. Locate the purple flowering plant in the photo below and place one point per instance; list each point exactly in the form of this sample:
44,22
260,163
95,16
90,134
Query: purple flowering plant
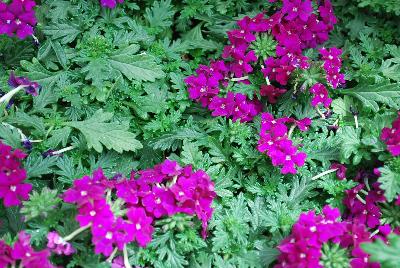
168,133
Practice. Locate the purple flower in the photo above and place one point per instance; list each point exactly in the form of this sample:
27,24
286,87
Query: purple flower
23,251
142,225
320,95
391,136
17,18
272,93
110,3
332,64
58,245
341,170
95,212
12,176
159,202
29,86
297,8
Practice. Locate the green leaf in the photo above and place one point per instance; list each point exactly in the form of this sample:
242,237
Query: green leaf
67,33
41,203
60,53
388,255
10,136
140,67
390,182
112,135
160,14
371,95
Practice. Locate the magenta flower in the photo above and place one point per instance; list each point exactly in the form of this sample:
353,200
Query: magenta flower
391,136
30,87
57,244
95,212
142,225
276,144
159,202
297,8
12,176
332,64
320,95
23,252
17,18
110,3
272,93
303,247
341,170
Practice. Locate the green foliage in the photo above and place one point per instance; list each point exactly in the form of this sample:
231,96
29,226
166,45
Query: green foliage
40,204
386,254
112,135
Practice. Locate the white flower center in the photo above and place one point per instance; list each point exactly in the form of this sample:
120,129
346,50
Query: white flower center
13,188
313,229
158,201
138,226
181,193
109,235
288,158
83,193
92,213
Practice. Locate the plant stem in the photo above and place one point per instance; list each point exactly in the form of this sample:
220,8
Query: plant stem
76,232
110,259
10,94
63,150
237,79
361,199
319,112
356,120
291,129
324,173
126,260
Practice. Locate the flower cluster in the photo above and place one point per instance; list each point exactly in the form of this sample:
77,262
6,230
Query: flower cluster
391,136
17,18
12,176
149,194
58,245
23,253
332,64
275,142
295,28
364,210
110,3
303,248
320,95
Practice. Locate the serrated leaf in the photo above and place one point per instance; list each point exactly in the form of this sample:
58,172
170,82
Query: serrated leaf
112,135
140,67
371,95
67,33
390,182
386,254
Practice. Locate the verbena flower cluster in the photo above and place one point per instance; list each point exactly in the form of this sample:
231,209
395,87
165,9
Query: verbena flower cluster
149,194
362,222
274,141
295,28
391,136
332,64
23,253
12,176
303,248
17,18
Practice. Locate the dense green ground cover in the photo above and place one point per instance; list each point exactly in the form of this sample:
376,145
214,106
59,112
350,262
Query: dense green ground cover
113,94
